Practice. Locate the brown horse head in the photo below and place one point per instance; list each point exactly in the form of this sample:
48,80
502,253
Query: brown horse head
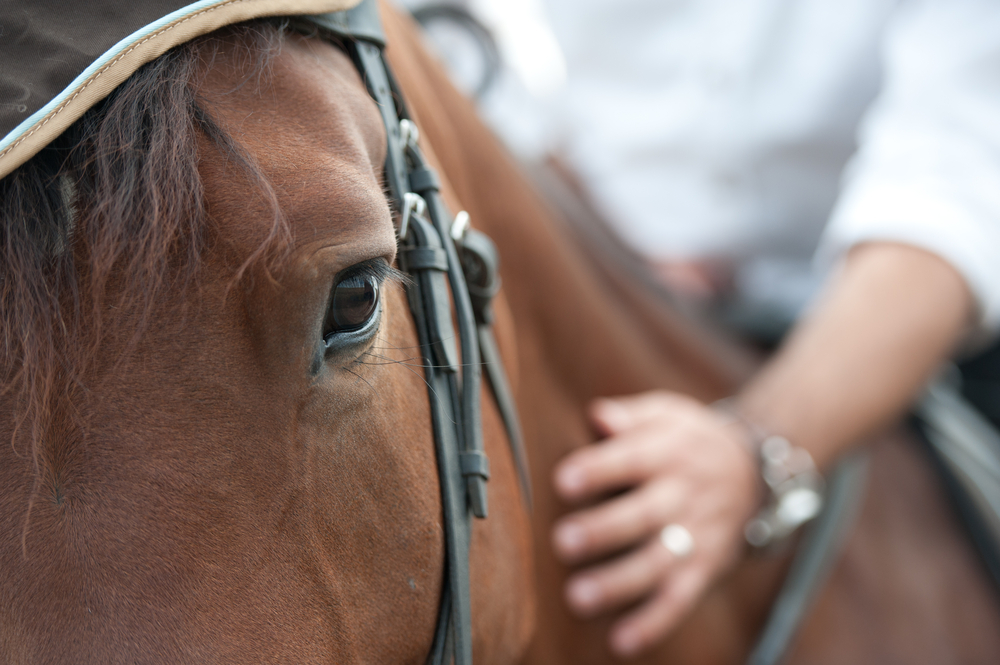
218,437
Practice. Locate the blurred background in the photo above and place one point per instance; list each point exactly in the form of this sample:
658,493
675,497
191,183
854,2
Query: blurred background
709,137
727,149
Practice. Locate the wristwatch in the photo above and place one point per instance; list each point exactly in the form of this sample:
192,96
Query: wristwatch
795,487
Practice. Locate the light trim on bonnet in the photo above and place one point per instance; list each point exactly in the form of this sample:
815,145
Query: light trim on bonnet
124,58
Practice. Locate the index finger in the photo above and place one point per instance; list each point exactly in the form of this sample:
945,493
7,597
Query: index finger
624,460
613,415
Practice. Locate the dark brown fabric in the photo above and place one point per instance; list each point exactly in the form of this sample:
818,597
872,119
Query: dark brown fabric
45,44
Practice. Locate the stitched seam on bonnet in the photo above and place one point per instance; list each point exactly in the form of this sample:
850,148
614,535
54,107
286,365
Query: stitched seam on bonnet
56,111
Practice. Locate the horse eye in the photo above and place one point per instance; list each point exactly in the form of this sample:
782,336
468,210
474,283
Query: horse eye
354,302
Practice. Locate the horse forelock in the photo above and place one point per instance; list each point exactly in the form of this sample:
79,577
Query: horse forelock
108,224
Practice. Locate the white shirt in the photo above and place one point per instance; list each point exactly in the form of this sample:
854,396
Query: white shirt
730,128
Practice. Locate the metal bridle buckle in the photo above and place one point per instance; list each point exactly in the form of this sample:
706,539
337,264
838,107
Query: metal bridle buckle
413,204
408,134
459,226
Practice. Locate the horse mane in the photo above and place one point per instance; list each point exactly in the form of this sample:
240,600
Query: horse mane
108,221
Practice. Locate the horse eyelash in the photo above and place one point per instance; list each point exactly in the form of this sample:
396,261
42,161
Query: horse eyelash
378,269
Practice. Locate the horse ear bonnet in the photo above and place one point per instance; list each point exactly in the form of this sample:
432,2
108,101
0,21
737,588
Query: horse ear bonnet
60,57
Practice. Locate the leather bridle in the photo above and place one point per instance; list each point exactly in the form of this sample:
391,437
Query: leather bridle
454,276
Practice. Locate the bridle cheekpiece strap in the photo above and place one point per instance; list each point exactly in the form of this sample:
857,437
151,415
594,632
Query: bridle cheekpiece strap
438,296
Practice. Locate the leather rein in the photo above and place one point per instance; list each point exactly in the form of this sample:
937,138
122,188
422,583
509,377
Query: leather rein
441,254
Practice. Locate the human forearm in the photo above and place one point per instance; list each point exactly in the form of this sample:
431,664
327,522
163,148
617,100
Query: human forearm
887,320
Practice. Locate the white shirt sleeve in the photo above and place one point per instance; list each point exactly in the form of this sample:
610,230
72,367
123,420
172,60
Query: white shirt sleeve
927,170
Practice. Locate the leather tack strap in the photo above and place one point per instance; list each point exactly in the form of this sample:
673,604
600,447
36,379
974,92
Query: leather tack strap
481,263
361,23
422,180
817,554
508,409
440,300
966,448
368,58
475,464
428,296
428,254
424,258
471,423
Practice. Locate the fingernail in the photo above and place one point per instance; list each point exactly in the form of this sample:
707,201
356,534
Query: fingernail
583,594
614,415
569,539
570,479
625,642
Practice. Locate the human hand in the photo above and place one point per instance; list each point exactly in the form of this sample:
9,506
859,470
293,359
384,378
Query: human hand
680,464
